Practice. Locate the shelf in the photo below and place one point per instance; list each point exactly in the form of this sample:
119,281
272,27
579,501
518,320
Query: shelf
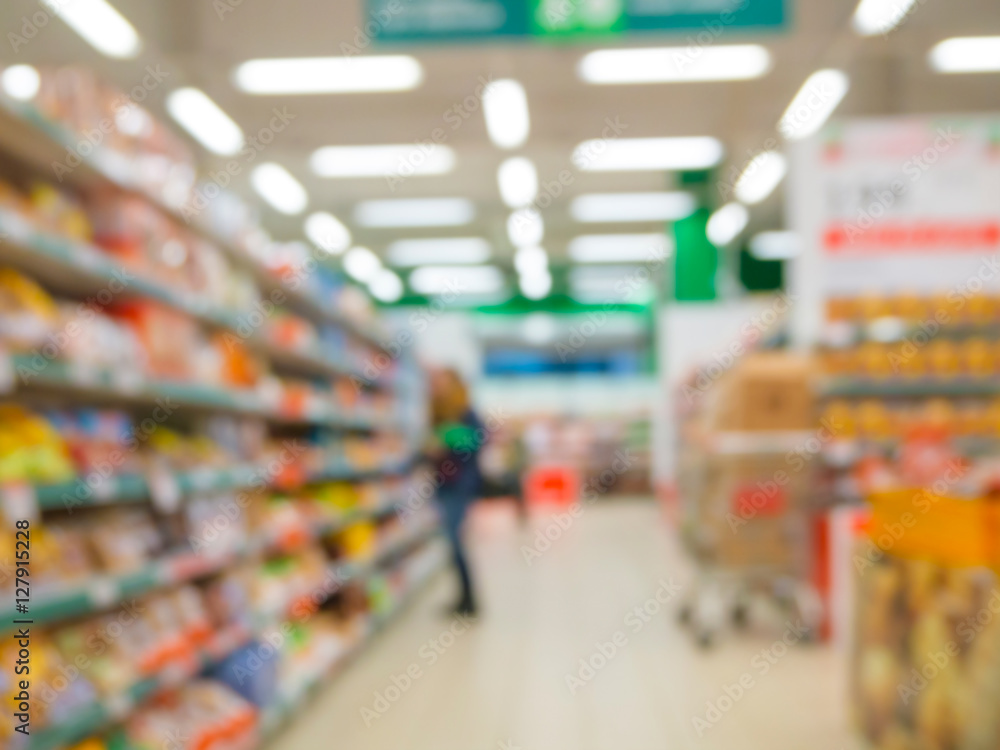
85,271
288,705
103,714
99,593
910,387
29,136
126,386
127,489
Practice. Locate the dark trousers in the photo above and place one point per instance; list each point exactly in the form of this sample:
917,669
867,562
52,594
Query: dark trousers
454,508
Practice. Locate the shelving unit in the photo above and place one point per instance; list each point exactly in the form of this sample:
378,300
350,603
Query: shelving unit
77,270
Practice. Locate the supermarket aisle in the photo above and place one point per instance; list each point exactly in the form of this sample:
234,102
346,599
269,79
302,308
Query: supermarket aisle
503,683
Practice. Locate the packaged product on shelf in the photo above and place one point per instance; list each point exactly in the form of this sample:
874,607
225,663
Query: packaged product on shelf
31,449
172,341
59,212
28,314
768,391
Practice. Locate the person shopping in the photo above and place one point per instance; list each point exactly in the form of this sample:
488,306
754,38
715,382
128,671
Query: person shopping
457,440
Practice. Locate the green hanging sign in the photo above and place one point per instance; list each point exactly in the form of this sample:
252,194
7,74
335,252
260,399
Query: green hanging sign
472,20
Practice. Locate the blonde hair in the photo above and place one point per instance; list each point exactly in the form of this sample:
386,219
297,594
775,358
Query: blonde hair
449,399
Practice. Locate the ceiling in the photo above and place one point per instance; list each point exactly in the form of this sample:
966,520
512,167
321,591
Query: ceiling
197,47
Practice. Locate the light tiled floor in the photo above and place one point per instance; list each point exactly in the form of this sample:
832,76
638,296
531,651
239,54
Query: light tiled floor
503,684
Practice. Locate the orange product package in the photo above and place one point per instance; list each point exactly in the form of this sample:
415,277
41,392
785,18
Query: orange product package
170,338
239,366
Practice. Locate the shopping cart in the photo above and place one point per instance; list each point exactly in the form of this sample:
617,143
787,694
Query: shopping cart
748,524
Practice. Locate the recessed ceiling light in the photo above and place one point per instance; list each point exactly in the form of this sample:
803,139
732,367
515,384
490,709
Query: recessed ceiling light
647,154
761,176
814,103
630,207
362,264
535,286
457,280
525,227
415,212
874,17
205,121
732,62
726,223
620,248
775,245
505,107
329,75
386,286
968,54
443,251
518,181
276,185
531,259
327,233
21,82
400,160
101,26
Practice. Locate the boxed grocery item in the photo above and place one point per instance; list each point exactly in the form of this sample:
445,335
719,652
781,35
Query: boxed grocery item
766,391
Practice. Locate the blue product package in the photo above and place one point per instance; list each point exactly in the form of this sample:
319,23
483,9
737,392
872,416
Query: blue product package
251,672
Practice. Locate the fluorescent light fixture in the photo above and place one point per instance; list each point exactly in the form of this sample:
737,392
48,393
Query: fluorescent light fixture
647,154
726,223
775,245
531,260
630,207
386,286
276,185
518,181
415,212
505,107
814,103
327,233
362,264
399,160
761,176
968,54
21,82
535,285
620,248
444,251
205,121
433,280
525,227
874,17
329,75
101,26
734,62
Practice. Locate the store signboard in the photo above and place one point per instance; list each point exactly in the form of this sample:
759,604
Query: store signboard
470,20
891,205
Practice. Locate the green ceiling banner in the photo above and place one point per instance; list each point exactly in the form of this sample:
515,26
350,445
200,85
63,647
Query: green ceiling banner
472,20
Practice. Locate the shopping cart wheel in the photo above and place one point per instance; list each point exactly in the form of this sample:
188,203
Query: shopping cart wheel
705,639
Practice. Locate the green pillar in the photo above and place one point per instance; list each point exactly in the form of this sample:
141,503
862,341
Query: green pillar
696,260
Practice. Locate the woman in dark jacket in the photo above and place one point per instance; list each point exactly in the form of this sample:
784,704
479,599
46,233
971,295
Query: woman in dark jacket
458,438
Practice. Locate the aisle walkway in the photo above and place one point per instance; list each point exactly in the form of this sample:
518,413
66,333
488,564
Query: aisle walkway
503,683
